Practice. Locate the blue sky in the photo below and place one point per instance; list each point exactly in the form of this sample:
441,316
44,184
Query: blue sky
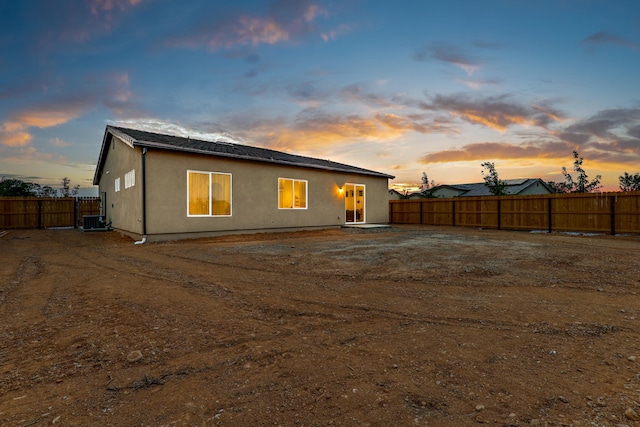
401,87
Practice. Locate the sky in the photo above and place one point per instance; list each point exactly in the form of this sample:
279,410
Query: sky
402,87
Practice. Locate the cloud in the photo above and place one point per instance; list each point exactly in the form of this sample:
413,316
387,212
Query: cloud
205,131
14,132
496,112
611,136
317,131
359,93
78,22
100,6
307,93
13,136
603,37
449,54
284,21
499,150
25,154
333,34
607,123
479,84
49,115
50,111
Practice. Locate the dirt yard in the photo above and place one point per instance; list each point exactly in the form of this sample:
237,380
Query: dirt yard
403,326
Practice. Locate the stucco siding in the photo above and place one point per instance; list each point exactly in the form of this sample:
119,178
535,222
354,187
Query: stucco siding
123,208
254,195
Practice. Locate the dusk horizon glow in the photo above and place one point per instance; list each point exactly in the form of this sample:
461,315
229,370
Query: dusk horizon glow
402,88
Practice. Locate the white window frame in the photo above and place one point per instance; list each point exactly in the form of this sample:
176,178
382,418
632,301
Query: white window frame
210,214
293,184
130,178
117,184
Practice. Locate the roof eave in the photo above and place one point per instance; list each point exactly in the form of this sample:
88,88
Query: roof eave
107,139
101,157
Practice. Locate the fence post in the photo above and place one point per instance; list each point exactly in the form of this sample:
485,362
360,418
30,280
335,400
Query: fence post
549,216
499,214
612,201
421,204
453,213
390,213
76,206
39,213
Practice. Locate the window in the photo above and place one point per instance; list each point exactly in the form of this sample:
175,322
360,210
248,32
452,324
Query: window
208,194
130,178
292,193
117,184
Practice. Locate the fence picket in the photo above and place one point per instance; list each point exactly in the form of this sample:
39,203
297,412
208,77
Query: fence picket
35,212
585,212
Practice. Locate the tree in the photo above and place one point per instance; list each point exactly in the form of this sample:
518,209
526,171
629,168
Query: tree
629,182
66,191
404,194
427,187
17,187
582,184
497,187
46,191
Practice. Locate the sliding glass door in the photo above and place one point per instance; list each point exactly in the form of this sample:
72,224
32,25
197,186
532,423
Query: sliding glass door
354,203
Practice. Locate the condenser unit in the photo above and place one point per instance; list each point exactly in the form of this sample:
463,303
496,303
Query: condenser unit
93,222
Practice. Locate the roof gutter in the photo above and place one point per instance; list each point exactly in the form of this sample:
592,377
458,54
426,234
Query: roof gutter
144,197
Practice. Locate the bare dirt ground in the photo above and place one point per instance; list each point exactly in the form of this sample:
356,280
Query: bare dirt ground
406,326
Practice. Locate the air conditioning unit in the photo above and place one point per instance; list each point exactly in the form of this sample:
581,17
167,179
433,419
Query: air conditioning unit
93,222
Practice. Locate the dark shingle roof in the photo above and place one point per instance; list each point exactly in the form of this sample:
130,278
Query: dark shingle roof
514,186
225,149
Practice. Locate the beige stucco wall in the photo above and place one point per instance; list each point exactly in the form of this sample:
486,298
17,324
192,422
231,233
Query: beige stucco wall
254,195
123,208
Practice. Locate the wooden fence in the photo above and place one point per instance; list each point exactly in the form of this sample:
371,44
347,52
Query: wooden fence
35,212
612,213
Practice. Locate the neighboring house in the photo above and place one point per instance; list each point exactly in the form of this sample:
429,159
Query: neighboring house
395,194
163,187
524,186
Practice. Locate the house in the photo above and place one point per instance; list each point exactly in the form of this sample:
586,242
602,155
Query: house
395,194
163,187
405,195
522,186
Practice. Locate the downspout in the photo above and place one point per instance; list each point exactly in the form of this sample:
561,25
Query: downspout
144,198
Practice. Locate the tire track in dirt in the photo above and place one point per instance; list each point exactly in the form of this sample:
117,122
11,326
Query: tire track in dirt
29,269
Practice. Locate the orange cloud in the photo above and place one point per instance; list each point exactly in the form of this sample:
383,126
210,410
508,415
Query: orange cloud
496,150
14,132
14,138
44,118
497,113
494,121
321,131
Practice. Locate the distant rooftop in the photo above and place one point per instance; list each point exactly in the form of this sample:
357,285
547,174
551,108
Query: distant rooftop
514,186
